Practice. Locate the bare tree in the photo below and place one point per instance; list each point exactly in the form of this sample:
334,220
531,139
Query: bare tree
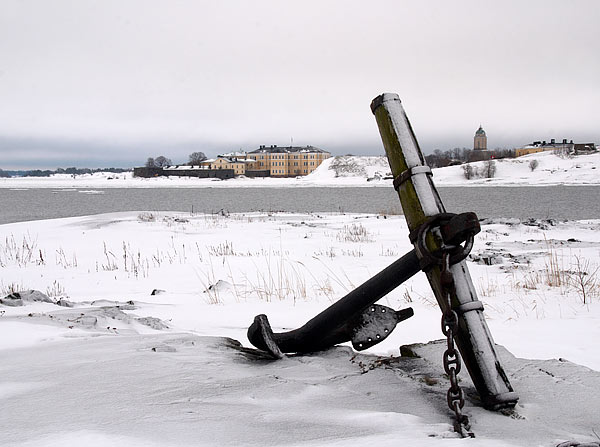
162,161
438,159
196,158
489,169
585,278
468,171
150,163
533,164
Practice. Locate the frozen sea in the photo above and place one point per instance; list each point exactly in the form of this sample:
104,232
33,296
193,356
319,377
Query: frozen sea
546,202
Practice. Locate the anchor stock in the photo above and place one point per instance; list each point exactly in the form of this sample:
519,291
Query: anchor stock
452,284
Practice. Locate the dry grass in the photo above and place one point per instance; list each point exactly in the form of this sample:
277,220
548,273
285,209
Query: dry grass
566,273
222,249
56,289
21,253
147,217
354,233
12,287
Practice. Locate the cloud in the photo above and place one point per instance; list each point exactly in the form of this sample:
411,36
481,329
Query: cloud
145,74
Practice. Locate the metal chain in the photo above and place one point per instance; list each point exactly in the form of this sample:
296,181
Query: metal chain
452,362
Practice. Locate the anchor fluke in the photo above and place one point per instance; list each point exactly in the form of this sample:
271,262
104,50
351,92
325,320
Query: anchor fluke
375,324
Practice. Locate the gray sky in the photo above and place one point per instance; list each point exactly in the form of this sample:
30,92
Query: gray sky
110,83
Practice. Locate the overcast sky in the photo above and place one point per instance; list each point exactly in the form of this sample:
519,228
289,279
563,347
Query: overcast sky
109,83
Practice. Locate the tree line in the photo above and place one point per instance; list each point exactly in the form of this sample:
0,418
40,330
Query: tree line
49,172
440,159
195,158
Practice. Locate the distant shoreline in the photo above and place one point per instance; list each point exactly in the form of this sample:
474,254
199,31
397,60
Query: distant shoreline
367,171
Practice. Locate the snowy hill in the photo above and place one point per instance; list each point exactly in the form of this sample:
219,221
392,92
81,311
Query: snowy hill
550,170
367,171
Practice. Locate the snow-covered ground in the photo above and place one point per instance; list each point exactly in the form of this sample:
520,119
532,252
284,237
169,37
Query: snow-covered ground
140,359
350,171
551,170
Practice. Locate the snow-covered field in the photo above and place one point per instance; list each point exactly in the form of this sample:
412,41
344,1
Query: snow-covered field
130,347
551,170
351,171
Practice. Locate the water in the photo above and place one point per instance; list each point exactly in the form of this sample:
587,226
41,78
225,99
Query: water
556,202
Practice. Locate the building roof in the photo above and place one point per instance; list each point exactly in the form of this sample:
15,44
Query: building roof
228,160
286,149
552,144
480,131
234,154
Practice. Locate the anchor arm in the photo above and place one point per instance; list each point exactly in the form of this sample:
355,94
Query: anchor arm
339,322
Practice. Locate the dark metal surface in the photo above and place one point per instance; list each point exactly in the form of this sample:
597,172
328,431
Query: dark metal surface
375,324
337,323
355,317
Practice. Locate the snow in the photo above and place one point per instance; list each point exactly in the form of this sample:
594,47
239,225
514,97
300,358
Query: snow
551,170
128,367
346,171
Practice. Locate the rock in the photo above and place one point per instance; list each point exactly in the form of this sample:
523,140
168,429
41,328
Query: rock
487,258
154,323
64,303
164,348
11,302
157,292
115,313
128,305
18,298
87,321
544,224
33,295
219,286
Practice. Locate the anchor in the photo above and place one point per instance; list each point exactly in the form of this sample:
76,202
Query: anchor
437,237
356,318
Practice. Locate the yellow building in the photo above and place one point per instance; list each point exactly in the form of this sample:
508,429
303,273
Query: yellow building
542,146
273,161
289,161
238,165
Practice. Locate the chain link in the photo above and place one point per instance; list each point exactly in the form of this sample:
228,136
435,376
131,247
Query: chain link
452,361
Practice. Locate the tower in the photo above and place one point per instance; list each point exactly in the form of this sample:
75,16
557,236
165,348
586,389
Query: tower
480,140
